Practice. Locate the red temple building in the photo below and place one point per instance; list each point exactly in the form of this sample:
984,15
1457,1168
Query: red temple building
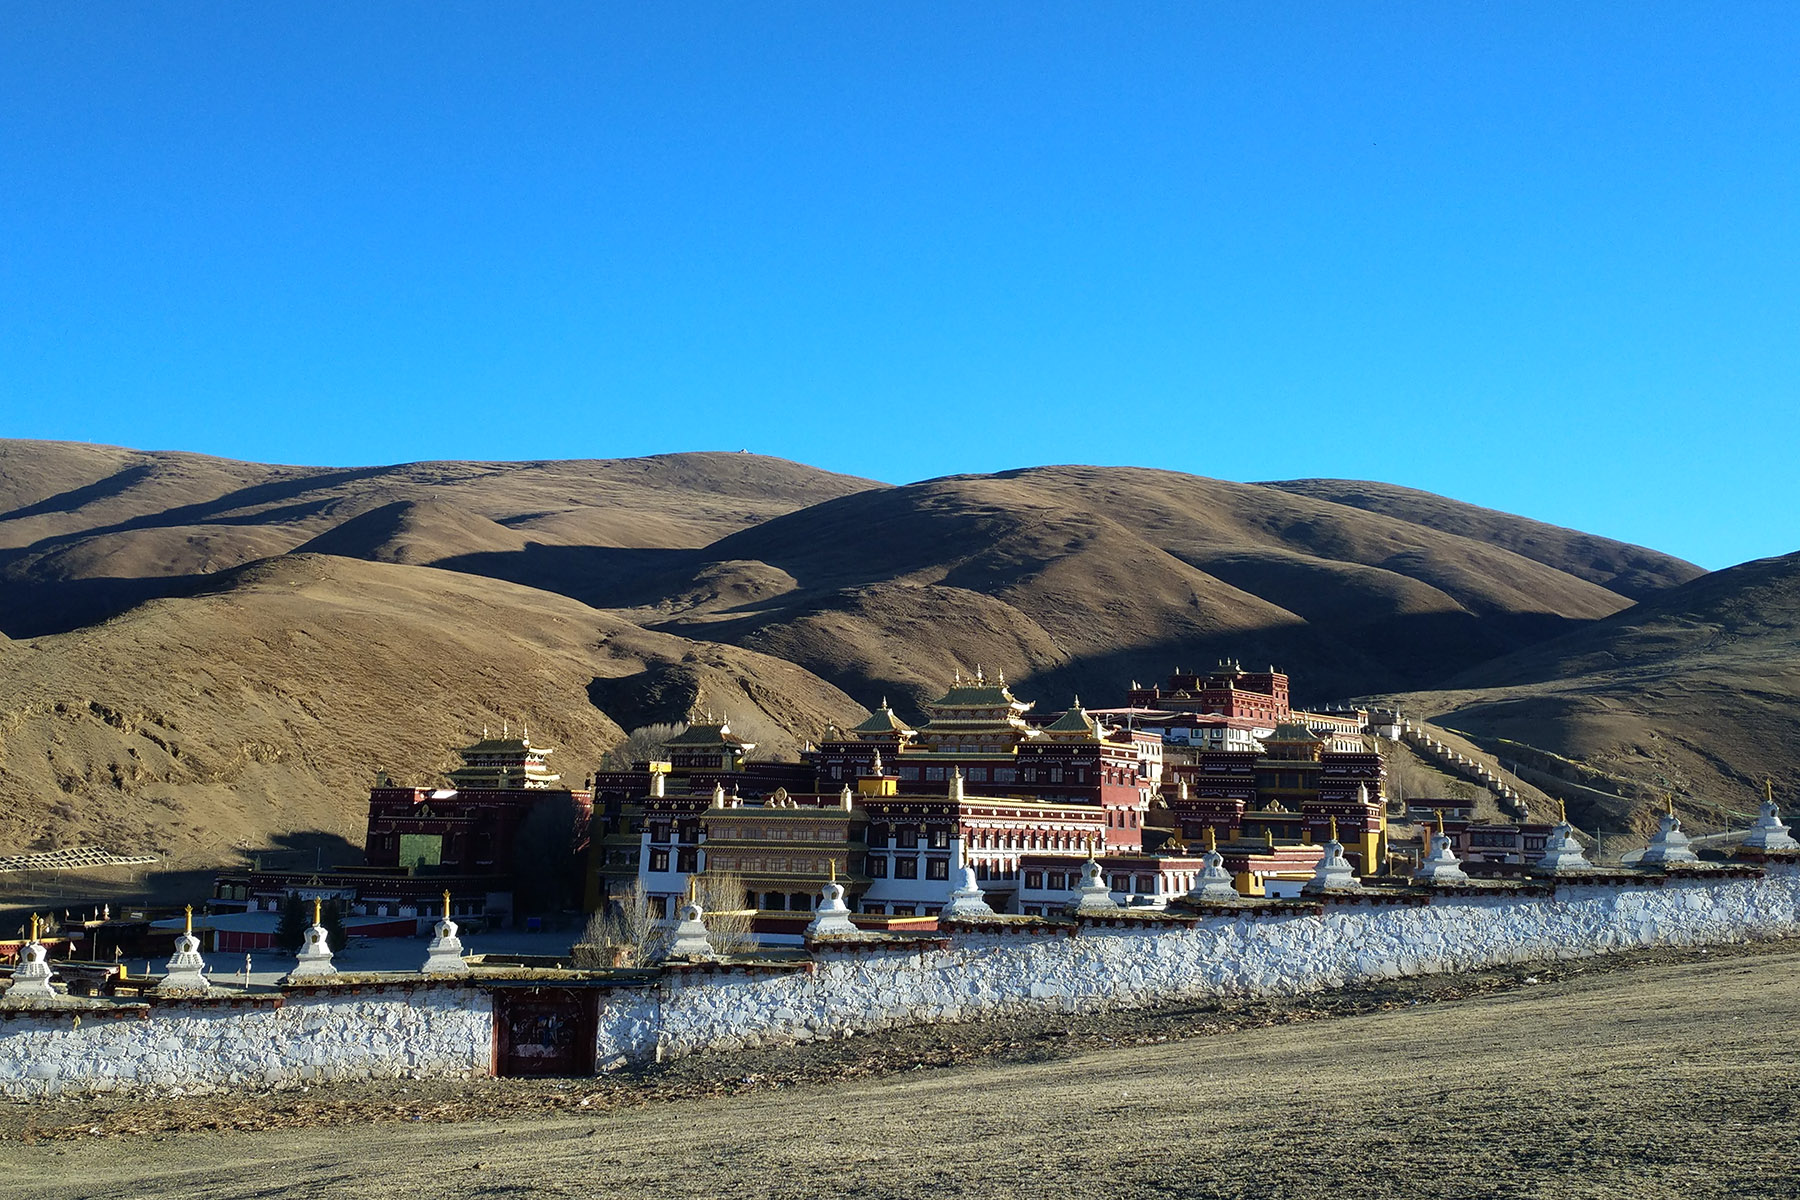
503,821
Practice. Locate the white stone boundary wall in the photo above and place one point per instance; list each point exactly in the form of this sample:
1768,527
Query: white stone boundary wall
1126,965
434,1029
206,1045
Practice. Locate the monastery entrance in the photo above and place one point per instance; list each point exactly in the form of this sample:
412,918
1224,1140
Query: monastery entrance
544,1031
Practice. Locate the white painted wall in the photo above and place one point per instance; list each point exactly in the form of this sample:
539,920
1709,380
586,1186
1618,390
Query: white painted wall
447,1030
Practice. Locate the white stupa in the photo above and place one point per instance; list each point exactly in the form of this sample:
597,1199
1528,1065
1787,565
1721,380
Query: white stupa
1334,872
691,939
31,978
1092,895
1670,845
1213,885
444,956
833,916
1441,865
967,900
1562,852
1769,833
185,974
315,951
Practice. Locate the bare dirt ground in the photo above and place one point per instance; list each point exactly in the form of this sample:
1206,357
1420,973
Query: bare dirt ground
1655,1074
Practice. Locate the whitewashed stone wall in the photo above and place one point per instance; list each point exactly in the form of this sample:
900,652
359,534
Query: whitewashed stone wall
204,1046
1123,966
443,1030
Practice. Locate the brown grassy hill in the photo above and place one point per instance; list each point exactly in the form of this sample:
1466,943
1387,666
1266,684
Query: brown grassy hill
1629,570
260,707
1082,577
1695,691
206,653
89,531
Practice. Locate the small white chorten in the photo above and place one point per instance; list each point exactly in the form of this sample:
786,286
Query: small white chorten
967,900
315,951
185,974
1769,833
833,916
31,978
1214,883
691,940
1441,865
444,956
1092,896
1670,845
1334,872
1562,852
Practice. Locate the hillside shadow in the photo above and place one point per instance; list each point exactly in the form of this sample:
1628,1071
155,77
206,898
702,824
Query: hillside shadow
598,576
34,608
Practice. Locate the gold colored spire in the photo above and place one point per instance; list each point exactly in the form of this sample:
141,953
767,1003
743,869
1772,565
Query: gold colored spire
833,863
1562,811
1670,797
1440,823
190,921
446,904
1334,836
1769,788
1269,837
316,920
1212,839
34,927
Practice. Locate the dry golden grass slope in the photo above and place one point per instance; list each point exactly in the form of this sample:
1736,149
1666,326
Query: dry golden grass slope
1083,577
1694,692
261,706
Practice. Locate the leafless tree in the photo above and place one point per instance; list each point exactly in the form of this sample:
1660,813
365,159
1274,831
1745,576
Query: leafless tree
726,912
643,744
626,930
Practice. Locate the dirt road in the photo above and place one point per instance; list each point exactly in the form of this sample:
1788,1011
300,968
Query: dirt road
1673,1078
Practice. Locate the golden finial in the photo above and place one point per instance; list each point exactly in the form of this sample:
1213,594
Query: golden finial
1269,837
1212,839
190,921
1334,836
833,863
446,904
34,927
1562,811
1670,797
316,920
1440,823
1769,788
691,885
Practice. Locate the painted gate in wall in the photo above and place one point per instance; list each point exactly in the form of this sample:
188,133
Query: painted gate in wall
544,1031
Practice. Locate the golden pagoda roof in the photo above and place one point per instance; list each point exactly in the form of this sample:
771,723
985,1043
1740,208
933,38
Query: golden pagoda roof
1075,721
709,735
882,720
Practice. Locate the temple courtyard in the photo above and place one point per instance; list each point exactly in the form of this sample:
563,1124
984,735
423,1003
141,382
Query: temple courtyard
1656,1074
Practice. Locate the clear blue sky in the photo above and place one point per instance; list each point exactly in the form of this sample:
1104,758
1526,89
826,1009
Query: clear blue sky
1539,257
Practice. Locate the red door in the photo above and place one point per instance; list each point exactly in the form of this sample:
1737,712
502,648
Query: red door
544,1031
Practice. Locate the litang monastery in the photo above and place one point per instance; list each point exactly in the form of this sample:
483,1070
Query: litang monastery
894,814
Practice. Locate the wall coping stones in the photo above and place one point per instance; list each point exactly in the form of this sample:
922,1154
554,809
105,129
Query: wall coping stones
1015,926
700,970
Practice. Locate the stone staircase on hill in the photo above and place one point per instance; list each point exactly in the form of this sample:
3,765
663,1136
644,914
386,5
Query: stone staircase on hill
1424,741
